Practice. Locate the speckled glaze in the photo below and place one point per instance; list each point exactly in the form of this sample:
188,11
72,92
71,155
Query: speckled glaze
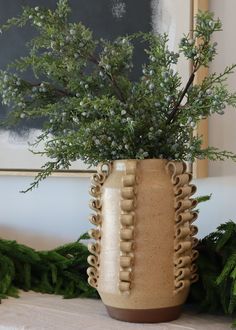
143,254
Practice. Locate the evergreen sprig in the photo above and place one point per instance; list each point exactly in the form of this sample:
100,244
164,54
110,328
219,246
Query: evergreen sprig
93,110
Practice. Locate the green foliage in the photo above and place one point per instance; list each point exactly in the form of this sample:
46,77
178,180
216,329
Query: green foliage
215,292
93,110
202,52
60,271
203,199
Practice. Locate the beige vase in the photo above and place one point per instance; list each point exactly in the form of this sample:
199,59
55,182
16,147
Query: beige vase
142,259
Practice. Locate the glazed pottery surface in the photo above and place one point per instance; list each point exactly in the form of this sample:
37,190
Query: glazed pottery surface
142,260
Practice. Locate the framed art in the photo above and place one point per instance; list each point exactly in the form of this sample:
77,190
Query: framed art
200,167
108,19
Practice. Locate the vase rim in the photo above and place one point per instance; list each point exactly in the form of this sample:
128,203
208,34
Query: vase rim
149,163
141,160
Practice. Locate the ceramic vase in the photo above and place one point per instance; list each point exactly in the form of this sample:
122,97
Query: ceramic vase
142,257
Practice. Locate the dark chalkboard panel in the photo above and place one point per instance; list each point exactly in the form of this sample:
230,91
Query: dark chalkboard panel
106,18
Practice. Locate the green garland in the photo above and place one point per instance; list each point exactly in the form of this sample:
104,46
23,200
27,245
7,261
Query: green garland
63,271
215,292
60,271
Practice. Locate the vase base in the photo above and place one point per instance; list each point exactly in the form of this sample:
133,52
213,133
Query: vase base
145,315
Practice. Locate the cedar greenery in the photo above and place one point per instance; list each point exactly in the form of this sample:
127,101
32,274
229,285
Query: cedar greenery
93,111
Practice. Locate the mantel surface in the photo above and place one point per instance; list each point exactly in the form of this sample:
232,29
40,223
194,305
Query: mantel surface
41,311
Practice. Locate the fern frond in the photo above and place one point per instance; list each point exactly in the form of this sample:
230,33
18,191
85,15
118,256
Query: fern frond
229,266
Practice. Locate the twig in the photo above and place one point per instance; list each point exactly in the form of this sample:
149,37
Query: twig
177,105
119,93
57,90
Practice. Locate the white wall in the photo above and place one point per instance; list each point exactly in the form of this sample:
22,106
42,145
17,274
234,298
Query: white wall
57,212
221,207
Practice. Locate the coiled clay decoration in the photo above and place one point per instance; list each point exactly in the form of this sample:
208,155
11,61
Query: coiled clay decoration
185,242
97,181
127,218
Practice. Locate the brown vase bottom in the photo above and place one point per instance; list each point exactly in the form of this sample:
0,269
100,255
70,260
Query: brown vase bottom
145,315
